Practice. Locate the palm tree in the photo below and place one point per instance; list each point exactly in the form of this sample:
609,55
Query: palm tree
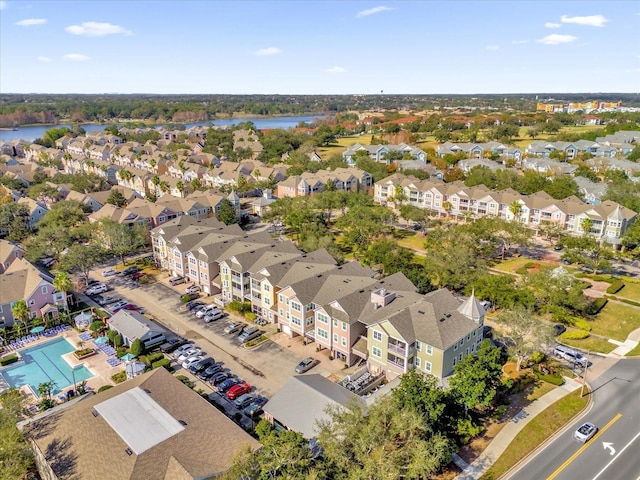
180,187
63,284
21,312
446,206
516,209
586,224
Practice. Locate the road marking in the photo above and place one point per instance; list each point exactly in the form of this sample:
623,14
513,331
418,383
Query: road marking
609,445
583,448
614,458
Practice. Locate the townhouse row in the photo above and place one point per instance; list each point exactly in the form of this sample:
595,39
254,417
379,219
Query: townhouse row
607,221
343,308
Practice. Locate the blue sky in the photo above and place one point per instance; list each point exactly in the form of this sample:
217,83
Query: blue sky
320,47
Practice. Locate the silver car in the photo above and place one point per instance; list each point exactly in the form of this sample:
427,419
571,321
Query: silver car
585,432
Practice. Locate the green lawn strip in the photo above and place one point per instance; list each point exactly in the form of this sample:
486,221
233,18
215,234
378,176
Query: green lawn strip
592,344
513,264
342,143
414,242
635,352
537,431
616,321
630,290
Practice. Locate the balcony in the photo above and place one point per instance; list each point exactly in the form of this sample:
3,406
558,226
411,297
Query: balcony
400,348
396,362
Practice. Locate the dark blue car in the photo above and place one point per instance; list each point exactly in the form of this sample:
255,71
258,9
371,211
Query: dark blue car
227,384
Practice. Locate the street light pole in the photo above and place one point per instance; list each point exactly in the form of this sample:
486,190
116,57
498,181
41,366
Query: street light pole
584,376
73,374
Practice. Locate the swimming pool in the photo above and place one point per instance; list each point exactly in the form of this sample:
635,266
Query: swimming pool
44,363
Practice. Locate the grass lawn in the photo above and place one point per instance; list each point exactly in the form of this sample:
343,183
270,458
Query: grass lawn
592,344
630,290
342,144
415,242
513,264
616,321
635,352
536,431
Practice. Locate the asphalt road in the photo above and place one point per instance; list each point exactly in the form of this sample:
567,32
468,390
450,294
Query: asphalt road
267,367
614,452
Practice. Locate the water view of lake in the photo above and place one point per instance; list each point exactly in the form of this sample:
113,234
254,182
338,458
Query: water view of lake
30,133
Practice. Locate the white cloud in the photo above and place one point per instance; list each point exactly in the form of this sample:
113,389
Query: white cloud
44,59
372,11
492,47
27,22
97,29
552,25
590,20
336,69
76,57
519,42
557,39
265,52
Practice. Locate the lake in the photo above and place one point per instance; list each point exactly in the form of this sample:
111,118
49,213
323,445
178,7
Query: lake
30,133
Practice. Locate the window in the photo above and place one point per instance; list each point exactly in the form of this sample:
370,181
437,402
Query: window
427,366
376,352
417,362
323,333
309,321
280,299
377,336
267,301
225,270
344,326
335,337
281,312
343,341
335,323
295,320
44,289
296,306
418,346
32,302
323,318
267,288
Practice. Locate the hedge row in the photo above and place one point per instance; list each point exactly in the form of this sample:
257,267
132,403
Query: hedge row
165,362
574,335
552,379
9,359
582,324
615,286
597,305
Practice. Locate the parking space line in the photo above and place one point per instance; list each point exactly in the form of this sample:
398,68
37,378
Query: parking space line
584,447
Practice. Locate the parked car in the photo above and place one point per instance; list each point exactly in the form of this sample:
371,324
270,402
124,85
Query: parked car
194,305
192,289
306,365
559,329
237,390
585,432
109,272
130,270
129,306
184,348
205,309
137,275
117,305
227,384
96,289
192,361
558,247
233,327
213,315
219,377
244,400
176,281
255,407
249,334
189,353
172,344
201,365
210,371
109,300
487,331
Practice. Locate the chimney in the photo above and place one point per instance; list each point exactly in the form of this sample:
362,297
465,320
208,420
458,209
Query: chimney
381,298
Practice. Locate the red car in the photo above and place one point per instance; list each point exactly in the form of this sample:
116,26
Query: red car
237,390
128,306
137,275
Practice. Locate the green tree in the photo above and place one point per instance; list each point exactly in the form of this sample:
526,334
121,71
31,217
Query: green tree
21,312
584,171
63,283
16,456
82,258
226,213
532,182
501,291
45,390
137,348
480,175
121,238
562,187
15,218
116,198
589,252
477,377
526,333
384,443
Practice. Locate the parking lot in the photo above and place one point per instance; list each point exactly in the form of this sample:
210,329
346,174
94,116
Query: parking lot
266,367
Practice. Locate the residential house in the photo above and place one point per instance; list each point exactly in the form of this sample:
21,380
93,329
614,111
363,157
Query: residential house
548,166
379,152
149,427
37,210
591,192
260,205
9,252
22,281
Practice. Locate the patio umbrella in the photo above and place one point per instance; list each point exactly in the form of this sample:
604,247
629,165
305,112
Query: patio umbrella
39,329
127,357
101,340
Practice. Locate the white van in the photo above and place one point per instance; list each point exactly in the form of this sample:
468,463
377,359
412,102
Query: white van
249,334
177,281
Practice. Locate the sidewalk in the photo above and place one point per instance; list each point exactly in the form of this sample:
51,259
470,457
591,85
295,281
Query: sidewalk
500,443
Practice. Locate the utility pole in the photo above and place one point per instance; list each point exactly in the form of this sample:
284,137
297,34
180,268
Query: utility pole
584,375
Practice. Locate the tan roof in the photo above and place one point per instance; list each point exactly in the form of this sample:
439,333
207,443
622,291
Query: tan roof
19,281
78,444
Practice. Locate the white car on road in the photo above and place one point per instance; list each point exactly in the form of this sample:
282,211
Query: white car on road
109,272
96,289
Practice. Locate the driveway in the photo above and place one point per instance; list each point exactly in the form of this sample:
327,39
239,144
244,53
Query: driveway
267,366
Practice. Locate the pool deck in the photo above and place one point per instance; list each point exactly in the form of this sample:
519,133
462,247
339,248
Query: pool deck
97,364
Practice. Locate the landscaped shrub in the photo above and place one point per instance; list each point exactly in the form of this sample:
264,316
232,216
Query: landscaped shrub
615,287
119,377
597,305
582,324
522,270
552,378
529,265
154,357
536,357
629,302
467,430
575,335
256,341
97,326
186,381
121,351
137,347
104,387
165,362
9,359
250,316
